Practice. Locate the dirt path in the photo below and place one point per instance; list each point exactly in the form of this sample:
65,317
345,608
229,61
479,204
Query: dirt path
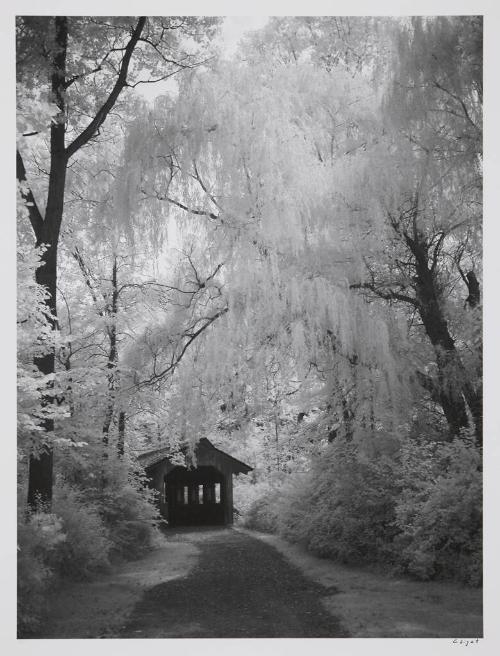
239,588
219,583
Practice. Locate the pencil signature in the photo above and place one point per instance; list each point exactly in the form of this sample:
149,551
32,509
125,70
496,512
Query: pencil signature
465,641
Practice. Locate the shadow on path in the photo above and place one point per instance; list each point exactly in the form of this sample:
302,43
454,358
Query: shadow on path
240,588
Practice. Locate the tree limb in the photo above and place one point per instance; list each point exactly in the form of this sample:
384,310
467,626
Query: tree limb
120,83
388,295
88,279
176,360
190,210
459,100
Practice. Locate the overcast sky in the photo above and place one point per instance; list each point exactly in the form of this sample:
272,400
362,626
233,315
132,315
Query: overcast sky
232,30
235,26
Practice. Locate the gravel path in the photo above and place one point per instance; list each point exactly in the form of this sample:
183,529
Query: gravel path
240,588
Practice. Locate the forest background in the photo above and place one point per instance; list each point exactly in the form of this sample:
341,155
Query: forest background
486,315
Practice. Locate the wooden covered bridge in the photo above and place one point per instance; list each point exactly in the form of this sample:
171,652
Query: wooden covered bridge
194,495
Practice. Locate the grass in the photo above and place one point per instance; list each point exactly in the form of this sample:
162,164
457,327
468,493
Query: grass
98,609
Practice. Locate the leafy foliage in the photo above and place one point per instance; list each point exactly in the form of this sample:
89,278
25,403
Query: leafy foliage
38,537
98,515
35,338
415,508
88,543
438,514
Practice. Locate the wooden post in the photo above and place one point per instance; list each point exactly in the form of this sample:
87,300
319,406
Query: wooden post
228,498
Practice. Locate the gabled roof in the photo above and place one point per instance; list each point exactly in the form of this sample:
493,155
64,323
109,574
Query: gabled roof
152,457
239,465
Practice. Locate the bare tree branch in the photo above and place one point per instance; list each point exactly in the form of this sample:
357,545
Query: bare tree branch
388,295
459,100
176,359
87,276
120,83
190,210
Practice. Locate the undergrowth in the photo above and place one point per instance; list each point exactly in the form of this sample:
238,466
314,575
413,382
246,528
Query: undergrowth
93,521
417,509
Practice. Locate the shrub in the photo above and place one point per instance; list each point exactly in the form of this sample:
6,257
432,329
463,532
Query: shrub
127,508
105,516
262,514
68,542
345,510
119,494
86,548
439,514
257,502
130,518
39,535
415,506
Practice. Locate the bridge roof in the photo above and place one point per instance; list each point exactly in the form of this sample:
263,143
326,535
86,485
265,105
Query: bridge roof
154,456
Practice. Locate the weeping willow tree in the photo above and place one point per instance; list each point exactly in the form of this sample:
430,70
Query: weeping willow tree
329,216
313,185
253,164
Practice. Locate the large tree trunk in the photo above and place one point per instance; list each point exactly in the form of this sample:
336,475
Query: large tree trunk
456,393
41,467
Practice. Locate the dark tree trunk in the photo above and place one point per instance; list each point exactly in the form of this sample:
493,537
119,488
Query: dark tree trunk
121,433
41,468
472,282
112,362
455,390
474,398
69,386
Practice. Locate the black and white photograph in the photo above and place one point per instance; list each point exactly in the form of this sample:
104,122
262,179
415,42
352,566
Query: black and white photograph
249,326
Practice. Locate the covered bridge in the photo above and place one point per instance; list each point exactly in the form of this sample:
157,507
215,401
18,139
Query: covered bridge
191,495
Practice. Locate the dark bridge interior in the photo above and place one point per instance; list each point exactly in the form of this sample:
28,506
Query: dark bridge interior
195,496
